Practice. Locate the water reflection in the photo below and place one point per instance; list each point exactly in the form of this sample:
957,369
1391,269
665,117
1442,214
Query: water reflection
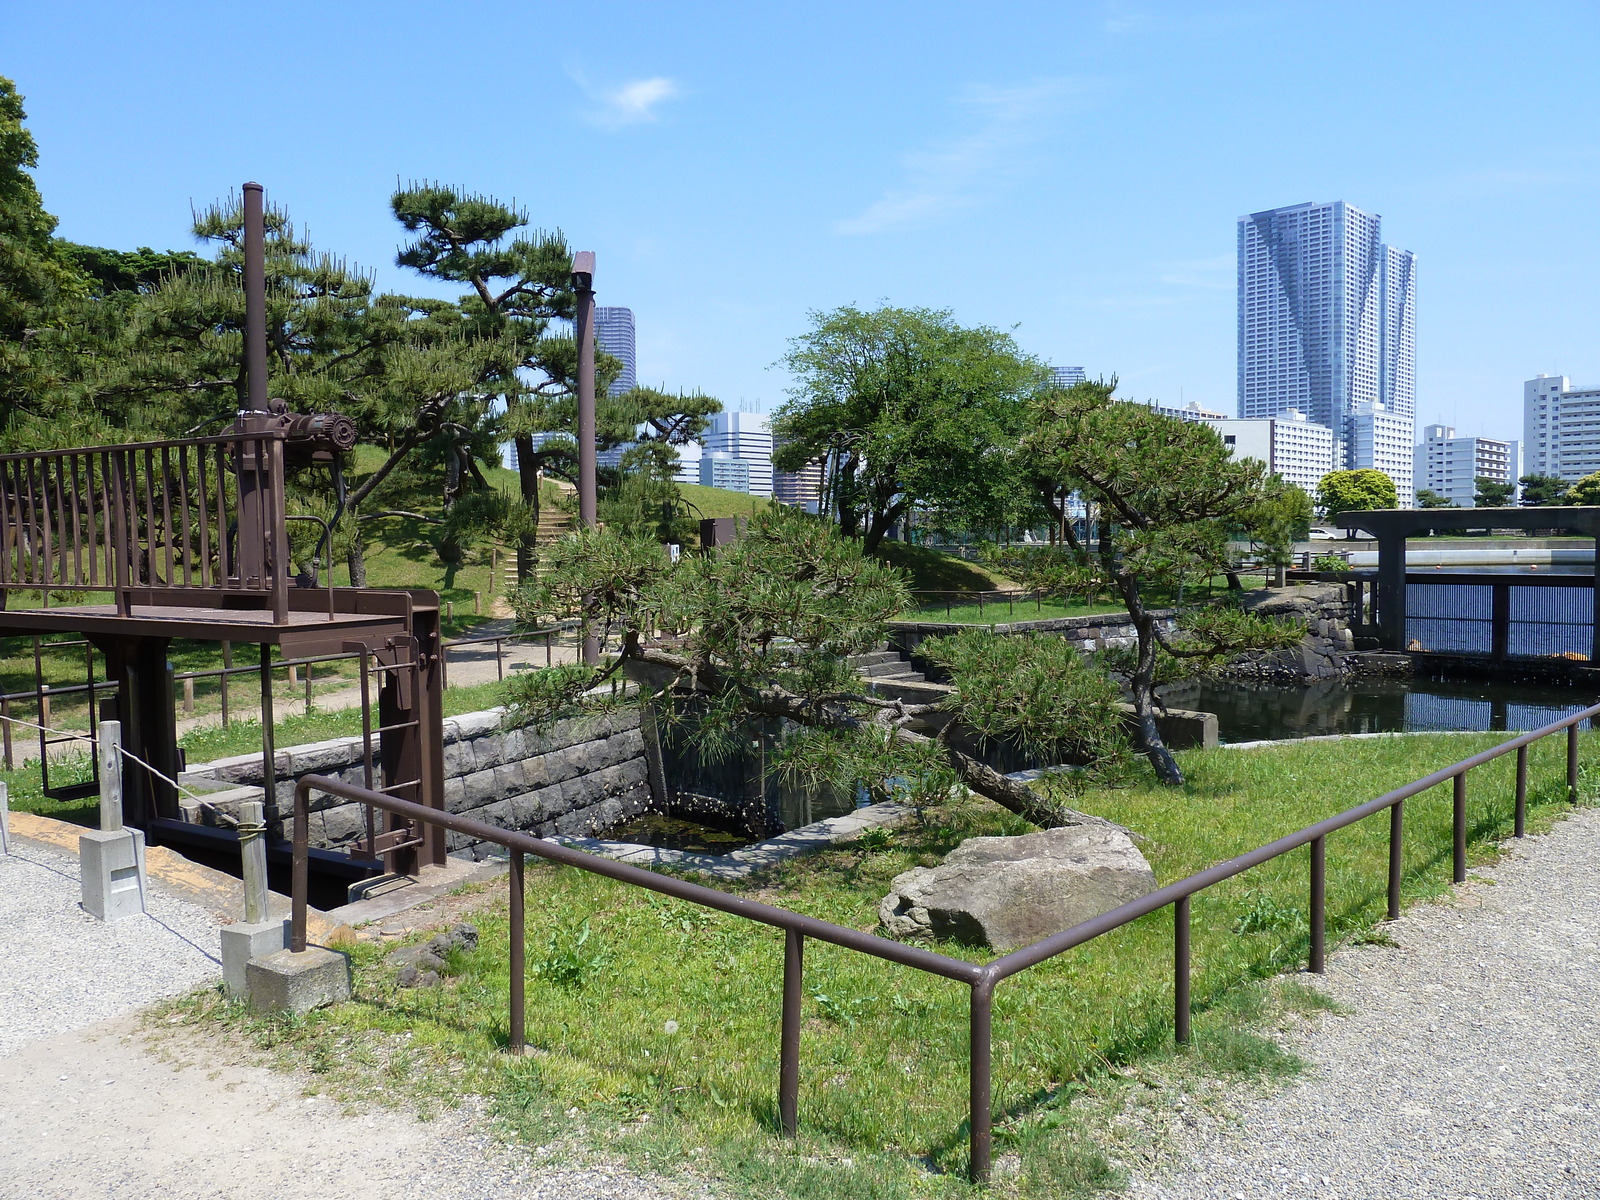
1250,711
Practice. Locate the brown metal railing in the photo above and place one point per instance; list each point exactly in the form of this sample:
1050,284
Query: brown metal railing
201,514
981,979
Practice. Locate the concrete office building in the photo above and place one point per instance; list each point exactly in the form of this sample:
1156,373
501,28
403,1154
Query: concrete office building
722,470
1560,428
1384,441
1188,412
747,436
613,333
802,488
1291,444
1449,466
1326,325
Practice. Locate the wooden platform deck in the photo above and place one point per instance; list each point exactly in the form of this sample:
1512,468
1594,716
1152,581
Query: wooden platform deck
300,633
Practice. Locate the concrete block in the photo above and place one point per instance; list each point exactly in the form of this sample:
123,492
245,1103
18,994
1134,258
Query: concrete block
455,794
535,773
475,725
459,758
112,866
297,983
241,942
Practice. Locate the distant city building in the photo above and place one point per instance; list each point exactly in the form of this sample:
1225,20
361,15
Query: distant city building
728,471
1326,324
1560,428
1449,466
1189,412
1383,441
802,488
613,333
1291,444
1065,377
688,463
747,436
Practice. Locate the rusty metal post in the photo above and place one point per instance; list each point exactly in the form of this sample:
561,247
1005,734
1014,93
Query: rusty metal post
519,945
789,1042
255,299
583,331
269,750
1520,820
1181,1009
1572,763
1397,821
980,1081
299,869
1458,856
1319,904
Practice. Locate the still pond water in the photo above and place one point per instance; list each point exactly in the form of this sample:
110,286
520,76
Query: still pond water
1248,712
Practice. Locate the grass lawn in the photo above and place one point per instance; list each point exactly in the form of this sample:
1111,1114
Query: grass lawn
994,610
656,1034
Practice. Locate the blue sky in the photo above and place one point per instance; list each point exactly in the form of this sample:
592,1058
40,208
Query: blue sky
1071,171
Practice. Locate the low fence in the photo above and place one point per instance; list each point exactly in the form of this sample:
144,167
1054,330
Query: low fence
981,979
300,672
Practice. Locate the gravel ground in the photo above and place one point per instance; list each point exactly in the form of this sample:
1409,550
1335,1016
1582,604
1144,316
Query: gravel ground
92,1107
63,969
1465,1066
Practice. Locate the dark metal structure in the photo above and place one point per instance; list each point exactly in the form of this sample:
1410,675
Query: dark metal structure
980,979
1499,604
133,545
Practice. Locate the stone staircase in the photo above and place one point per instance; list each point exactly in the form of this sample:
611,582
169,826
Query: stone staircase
891,677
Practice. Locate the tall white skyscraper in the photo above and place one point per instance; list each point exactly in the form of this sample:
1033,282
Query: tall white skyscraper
1327,318
747,436
613,333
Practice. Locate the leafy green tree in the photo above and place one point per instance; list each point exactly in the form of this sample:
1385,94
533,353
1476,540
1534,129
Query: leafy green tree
1491,493
908,409
1431,499
37,278
1539,490
1279,519
762,629
1585,492
1171,496
1357,490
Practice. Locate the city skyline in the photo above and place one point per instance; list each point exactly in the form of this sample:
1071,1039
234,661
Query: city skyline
949,175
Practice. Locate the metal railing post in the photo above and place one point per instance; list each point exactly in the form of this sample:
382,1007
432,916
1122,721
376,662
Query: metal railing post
1319,899
1572,764
1458,822
789,1043
1520,818
980,1081
519,947
299,868
1397,821
1181,1012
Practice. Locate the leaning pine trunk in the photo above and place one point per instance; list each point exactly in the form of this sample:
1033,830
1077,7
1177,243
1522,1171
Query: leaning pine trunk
1144,708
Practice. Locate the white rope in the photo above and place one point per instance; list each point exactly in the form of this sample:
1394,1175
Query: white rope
220,814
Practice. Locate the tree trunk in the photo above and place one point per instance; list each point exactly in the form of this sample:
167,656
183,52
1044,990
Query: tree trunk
528,482
356,559
1142,686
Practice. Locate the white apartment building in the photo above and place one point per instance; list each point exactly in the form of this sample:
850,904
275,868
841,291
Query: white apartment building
1383,441
747,436
1449,466
1560,428
727,471
1291,444
1188,412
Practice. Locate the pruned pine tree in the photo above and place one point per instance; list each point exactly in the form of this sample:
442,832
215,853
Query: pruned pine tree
763,629
1170,497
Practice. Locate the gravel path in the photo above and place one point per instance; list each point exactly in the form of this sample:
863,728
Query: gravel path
63,969
1466,1066
91,1107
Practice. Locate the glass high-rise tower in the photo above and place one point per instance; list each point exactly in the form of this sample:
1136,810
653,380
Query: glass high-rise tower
1327,320
613,333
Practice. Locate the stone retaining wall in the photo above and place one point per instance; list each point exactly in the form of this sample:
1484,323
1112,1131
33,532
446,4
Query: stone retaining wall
1090,633
577,777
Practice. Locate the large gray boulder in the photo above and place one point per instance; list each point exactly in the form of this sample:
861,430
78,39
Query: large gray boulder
1006,892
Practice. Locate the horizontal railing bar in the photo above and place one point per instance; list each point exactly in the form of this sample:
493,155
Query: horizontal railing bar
668,885
1068,939
221,439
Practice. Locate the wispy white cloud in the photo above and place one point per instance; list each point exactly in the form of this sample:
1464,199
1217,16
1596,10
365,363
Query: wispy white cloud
962,172
632,103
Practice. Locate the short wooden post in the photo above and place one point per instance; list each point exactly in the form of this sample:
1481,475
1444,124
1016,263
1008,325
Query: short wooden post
188,695
477,603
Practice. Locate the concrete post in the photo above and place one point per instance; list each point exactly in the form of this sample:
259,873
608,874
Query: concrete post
257,935
5,818
111,859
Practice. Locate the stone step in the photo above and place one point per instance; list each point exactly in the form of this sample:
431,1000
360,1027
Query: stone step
877,670
876,658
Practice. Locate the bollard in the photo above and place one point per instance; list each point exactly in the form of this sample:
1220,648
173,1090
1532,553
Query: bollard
477,603
111,859
257,934
188,695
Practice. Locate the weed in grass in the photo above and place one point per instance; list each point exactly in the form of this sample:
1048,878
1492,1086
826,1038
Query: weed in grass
569,960
872,840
